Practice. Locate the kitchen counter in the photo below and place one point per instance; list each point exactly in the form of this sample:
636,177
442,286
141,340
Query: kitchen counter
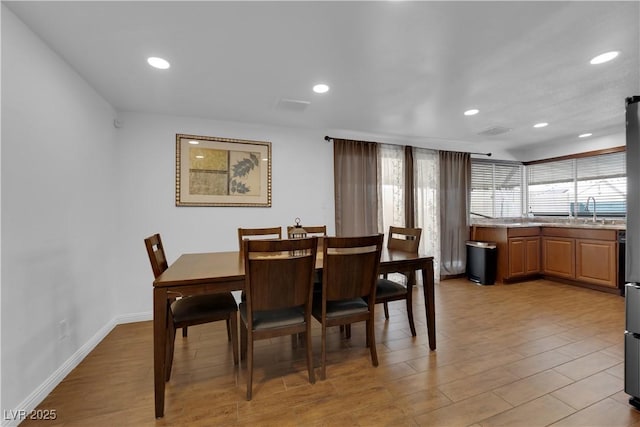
605,224
574,251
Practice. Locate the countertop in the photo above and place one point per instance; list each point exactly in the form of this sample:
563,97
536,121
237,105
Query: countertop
601,224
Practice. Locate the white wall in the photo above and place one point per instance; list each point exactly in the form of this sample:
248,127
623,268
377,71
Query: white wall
571,146
58,210
302,172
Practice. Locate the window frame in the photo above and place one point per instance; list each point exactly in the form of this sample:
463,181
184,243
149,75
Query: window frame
573,159
577,207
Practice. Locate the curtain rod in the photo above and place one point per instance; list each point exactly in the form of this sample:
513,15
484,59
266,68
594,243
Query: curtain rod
329,138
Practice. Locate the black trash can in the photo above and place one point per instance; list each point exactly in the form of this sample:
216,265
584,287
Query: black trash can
481,262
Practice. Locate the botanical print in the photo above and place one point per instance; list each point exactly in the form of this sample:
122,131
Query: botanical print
245,173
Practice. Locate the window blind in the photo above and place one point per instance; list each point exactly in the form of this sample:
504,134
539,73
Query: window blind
496,189
562,187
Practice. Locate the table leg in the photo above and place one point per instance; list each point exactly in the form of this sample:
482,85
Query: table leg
429,301
160,306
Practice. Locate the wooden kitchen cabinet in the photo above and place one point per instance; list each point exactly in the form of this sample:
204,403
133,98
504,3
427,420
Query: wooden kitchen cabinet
583,255
580,256
596,262
524,256
558,257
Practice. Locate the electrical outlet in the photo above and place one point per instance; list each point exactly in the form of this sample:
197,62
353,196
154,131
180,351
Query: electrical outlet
63,329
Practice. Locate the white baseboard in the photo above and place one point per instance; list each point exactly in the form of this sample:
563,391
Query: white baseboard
15,416
133,318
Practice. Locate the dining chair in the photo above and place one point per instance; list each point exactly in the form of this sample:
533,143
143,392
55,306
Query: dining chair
278,284
258,233
319,231
349,273
407,240
194,309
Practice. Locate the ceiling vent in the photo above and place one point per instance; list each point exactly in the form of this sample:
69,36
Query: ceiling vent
494,130
292,104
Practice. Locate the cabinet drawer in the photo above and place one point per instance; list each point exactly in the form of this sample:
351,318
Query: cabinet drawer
524,232
580,233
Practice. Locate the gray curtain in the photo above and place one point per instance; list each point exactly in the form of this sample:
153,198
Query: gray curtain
409,185
455,178
356,197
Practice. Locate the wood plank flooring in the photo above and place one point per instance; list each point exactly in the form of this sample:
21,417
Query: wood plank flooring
530,354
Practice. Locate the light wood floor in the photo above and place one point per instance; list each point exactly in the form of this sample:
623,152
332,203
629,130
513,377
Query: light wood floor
530,354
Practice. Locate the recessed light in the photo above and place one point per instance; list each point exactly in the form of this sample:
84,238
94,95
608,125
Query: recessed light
585,135
471,112
321,88
159,63
540,125
604,57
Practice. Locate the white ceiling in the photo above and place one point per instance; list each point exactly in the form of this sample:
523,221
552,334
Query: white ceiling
396,68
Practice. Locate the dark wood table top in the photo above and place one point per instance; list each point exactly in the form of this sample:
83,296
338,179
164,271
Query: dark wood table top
211,267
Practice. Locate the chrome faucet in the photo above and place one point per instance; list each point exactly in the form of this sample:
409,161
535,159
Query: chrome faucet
594,206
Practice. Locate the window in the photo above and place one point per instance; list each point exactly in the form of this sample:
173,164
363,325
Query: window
496,189
562,187
553,187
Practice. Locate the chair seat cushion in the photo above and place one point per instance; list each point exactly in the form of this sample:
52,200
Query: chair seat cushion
339,308
387,288
196,307
273,318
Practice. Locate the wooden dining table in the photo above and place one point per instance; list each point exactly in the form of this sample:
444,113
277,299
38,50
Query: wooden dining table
215,272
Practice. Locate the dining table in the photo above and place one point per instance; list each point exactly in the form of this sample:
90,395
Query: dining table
215,272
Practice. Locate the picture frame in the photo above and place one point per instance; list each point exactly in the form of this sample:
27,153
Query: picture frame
212,171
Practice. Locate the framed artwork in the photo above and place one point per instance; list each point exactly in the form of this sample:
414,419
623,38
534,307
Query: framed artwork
213,171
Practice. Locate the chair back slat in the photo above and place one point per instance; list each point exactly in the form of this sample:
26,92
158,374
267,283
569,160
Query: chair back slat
350,266
319,231
404,239
258,233
157,257
279,273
